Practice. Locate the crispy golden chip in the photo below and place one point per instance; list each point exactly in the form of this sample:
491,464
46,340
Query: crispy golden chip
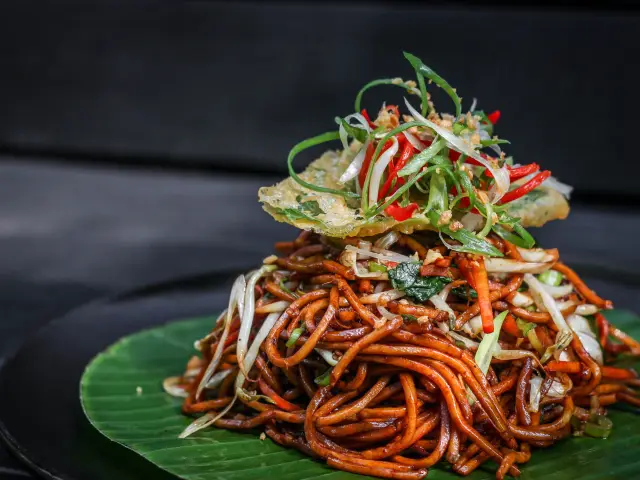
332,215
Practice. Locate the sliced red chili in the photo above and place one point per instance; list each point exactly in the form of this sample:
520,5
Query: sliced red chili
366,117
400,214
522,190
523,171
407,151
518,172
362,176
494,117
277,399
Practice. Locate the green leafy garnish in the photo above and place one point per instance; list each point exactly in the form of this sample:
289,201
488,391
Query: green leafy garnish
406,277
295,335
465,291
551,277
376,267
524,326
458,128
484,119
285,289
489,342
470,242
376,155
435,173
375,83
324,379
438,196
519,236
293,214
354,132
426,72
421,159
310,206
409,318
493,141
308,143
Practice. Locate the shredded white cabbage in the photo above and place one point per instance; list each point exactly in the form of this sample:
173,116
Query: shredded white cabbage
415,141
389,295
387,256
172,387
236,300
468,343
327,356
440,304
355,166
536,255
521,300
582,329
559,291
274,307
586,309
378,170
489,343
507,265
544,300
500,175
361,122
387,240
535,385
246,320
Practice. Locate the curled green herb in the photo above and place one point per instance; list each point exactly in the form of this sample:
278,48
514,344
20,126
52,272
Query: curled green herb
422,158
295,335
524,326
354,132
308,143
375,83
426,72
285,289
324,379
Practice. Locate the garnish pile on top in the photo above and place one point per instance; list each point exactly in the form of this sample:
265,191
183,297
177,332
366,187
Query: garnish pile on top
447,168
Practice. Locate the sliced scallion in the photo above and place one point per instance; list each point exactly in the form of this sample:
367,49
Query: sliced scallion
324,379
423,70
295,335
551,277
377,267
308,143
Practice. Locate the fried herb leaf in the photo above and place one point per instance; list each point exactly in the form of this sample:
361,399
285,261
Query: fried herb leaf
406,277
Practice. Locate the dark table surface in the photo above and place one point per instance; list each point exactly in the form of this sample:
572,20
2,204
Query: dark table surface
70,234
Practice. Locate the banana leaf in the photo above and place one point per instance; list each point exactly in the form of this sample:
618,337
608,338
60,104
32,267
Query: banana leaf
122,396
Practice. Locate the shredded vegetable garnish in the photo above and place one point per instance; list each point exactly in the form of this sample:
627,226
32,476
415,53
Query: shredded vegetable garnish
404,167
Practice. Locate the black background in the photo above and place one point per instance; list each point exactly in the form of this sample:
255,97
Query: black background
134,135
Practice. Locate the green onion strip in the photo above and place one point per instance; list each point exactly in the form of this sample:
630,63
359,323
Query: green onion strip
308,143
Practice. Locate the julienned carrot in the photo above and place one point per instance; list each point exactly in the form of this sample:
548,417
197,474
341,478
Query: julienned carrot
564,367
481,283
617,373
511,327
277,399
603,329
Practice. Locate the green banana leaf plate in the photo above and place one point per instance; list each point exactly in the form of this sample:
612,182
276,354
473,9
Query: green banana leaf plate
122,396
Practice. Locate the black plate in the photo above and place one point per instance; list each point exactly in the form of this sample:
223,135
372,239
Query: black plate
41,419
